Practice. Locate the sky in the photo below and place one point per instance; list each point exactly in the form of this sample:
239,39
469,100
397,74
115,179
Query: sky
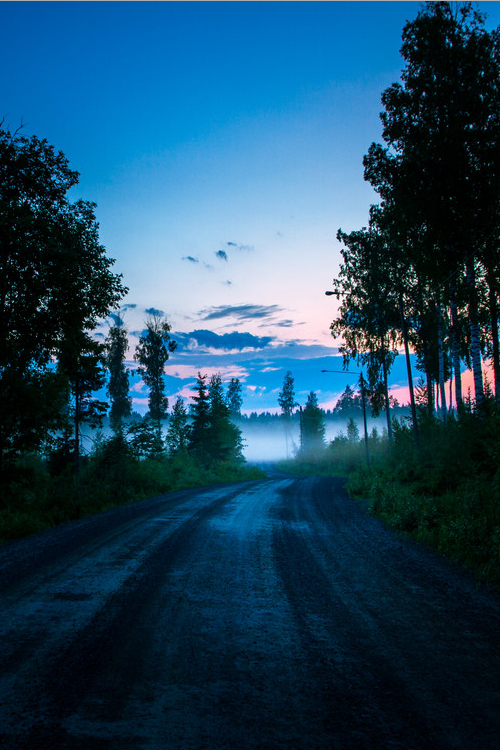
222,143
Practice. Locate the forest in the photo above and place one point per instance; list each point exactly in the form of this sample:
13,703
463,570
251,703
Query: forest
422,277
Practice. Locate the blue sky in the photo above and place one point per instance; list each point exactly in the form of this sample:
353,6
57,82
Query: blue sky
223,145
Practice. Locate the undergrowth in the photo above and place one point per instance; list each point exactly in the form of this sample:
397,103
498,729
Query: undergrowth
446,494
35,497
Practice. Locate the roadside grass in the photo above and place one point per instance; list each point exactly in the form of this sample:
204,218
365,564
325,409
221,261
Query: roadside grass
36,498
446,495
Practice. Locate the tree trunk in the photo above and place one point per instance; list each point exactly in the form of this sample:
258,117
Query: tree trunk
386,393
474,332
77,426
455,343
430,392
442,393
408,370
493,304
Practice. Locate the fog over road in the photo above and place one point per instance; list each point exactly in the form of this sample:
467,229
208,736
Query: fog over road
271,614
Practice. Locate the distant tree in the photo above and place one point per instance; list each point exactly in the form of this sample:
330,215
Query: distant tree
200,425
286,398
118,384
178,428
312,427
80,360
352,431
348,401
152,353
145,439
224,442
234,398
55,283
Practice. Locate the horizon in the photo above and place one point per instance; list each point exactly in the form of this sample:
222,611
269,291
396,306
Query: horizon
223,146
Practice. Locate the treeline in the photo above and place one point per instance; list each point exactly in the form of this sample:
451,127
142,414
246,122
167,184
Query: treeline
425,273
56,284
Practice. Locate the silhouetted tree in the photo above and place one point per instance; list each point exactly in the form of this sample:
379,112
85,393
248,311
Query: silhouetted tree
55,283
312,427
118,384
200,425
178,428
152,353
234,398
224,440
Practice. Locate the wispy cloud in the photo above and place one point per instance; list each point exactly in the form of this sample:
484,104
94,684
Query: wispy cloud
190,258
241,312
221,255
238,246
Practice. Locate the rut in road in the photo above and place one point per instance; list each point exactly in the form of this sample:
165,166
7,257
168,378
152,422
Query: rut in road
273,614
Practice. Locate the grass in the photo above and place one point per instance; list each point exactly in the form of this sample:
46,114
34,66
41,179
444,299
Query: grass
35,498
445,495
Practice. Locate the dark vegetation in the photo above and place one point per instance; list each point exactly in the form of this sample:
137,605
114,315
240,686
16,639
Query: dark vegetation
425,274
56,283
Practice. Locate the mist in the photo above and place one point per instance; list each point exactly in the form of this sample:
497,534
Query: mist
271,442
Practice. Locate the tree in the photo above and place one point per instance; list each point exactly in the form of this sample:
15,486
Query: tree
286,398
200,426
80,361
234,398
349,401
312,427
368,316
152,353
118,384
55,283
224,440
440,171
178,428
352,431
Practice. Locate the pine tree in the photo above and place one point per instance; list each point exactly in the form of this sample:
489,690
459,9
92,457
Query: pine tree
312,427
200,426
178,428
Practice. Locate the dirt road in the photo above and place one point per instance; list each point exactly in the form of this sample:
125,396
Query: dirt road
274,614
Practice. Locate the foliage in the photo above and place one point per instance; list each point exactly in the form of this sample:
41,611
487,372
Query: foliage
178,428
116,345
286,397
200,425
152,352
55,282
312,427
224,438
234,398
112,476
431,246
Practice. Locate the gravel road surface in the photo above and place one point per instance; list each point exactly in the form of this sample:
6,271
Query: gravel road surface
271,614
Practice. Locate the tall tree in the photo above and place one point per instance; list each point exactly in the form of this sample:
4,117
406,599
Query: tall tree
55,283
441,168
152,352
116,345
286,400
286,397
200,426
368,319
224,443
